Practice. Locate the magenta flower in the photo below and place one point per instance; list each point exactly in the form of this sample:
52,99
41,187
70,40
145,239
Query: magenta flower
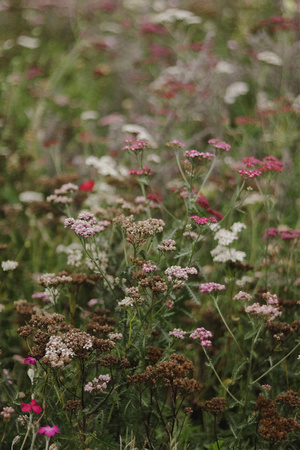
209,287
32,406
29,360
48,431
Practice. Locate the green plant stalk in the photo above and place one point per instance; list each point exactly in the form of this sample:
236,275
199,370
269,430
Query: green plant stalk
219,379
275,365
226,325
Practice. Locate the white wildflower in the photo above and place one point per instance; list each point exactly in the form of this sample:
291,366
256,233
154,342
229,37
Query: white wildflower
270,58
9,265
235,90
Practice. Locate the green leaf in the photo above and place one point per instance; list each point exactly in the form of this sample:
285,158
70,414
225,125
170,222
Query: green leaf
236,375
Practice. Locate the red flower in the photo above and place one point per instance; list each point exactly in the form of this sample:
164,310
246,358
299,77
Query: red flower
87,185
32,406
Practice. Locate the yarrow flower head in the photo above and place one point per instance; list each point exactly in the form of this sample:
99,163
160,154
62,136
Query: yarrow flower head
32,406
242,296
203,220
98,384
167,245
271,299
180,272
210,287
9,265
7,412
142,171
267,311
83,226
194,154
48,431
204,336
175,144
179,334
219,144
135,146
149,268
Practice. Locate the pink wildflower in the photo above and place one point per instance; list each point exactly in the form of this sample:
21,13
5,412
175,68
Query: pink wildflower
48,431
242,296
169,303
209,287
134,146
272,299
142,171
32,406
149,267
203,220
175,144
204,336
247,173
268,311
7,412
29,360
219,144
199,155
179,334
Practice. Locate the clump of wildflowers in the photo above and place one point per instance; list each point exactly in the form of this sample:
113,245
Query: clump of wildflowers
167,245
135,146
267,311
203,220
180,272
242,296
7,412
83,226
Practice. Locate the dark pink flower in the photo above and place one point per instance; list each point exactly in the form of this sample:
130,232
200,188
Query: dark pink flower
87,186
32,406
48,431
29,360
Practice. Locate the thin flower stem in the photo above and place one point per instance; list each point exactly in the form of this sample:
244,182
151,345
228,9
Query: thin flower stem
275,365
180,168
221,382
226,325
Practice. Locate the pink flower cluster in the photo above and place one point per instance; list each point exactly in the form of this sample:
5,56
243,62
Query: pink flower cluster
272,299
219,144
180,272
98,384
203,220
7,412
149,267
143,171
179,334
83,226
175,144
284,234
242,296
134,146
204,336
209,287
267,164
268,311
199,155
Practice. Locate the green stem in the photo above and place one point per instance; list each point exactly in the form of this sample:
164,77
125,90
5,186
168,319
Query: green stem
221,382
275,365
226,325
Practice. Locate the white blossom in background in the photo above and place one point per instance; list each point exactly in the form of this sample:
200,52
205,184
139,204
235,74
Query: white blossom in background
28,42
222,252
141,132
106,166
89,115
225,67
173,14
270,58
9,265
235,90
31,196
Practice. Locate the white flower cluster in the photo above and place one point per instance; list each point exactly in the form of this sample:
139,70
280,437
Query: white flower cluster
58,354
167,245
9,265
51,279
98,384
31,196
222,253
180,272
107,166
